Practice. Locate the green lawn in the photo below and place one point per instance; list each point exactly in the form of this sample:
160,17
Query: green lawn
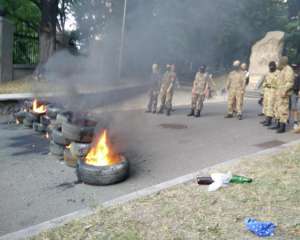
190,212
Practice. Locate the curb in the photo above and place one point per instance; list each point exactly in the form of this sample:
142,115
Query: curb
56,222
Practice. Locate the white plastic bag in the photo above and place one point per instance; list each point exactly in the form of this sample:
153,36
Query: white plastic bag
220,180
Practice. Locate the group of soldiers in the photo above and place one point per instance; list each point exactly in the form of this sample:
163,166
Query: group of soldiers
277,85
277,88
162,88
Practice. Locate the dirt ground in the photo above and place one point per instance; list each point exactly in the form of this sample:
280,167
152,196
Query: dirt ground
190,212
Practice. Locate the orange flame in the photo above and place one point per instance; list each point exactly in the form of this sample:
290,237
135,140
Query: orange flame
101,153
68,146
17,121
38,109
47,135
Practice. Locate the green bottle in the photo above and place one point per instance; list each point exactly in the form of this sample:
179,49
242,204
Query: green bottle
240,179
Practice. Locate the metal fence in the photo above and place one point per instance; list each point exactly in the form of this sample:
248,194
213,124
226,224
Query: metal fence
26,48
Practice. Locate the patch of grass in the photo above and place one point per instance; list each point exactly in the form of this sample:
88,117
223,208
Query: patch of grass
188,211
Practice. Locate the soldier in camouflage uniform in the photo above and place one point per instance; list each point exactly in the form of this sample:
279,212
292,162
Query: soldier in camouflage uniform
200,88
236,83
154,90
270,85
284,90
167,89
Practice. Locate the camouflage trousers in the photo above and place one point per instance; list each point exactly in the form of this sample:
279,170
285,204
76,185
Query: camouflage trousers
283,109
235,97
166,100
152,103
197,102
269,102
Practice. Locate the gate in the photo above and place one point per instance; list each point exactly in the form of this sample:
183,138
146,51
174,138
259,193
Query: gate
26,48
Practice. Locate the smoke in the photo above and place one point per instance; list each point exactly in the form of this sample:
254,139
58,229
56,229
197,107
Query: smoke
185,32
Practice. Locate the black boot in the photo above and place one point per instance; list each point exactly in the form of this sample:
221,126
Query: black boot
229,115
168,113
275,126
263,122
240,117
191,113
198,114
268,122
281,128
161,110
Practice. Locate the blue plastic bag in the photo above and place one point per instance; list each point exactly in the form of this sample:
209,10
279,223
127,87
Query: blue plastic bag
261,229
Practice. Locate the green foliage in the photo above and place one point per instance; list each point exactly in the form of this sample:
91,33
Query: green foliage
23,13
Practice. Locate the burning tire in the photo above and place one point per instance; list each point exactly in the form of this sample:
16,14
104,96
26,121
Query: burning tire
69,159
59,138
57,150
79,150
38,127
76,133
104,175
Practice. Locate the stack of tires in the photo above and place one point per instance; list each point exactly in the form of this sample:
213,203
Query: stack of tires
80,133
58,142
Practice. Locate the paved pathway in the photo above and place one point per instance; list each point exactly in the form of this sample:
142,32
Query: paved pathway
35,187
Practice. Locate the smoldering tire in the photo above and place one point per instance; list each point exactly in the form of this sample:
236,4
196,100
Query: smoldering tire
52,112
104,175
58,137
83,134
38,127
56,149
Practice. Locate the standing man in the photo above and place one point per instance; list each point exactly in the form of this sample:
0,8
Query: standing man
236,83
167,89
295,98
285,87
270,86
200,88
154,89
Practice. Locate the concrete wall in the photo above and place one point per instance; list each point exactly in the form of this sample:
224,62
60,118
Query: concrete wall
22,70
6,50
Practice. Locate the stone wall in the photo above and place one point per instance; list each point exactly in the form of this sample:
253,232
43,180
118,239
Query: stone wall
6,50
263,52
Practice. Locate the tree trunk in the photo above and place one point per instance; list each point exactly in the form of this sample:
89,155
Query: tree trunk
49,10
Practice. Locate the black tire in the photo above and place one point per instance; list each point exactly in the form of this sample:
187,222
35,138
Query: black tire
59,138
56,150
45,120
20,116
77,133
32,117
38,127
53,111
69,159
105,175
63,117
79,150
27,123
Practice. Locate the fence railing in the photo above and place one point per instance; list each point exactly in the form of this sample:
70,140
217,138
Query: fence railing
26,49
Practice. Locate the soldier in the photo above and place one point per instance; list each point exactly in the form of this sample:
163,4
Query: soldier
200,88
167,90
236,83
270,85
285,87
154,90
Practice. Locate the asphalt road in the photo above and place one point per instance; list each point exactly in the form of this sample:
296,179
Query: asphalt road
35,187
